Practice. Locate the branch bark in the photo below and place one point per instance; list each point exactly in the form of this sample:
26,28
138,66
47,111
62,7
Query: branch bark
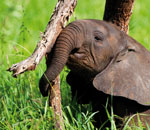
59,18
119,12
55,102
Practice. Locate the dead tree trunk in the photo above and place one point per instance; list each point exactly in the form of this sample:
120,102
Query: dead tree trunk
59,18
119,12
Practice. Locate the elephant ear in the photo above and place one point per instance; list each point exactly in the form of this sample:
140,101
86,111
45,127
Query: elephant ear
128,76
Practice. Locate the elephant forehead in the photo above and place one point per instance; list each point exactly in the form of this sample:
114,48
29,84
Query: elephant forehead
105,26
91,25
97,27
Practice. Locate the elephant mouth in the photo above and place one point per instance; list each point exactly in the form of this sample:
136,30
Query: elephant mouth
74,63
79,55
78,64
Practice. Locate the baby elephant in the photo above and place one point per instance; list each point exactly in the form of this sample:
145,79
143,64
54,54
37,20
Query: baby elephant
106,66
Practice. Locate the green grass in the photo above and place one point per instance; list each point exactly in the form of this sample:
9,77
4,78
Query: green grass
21,105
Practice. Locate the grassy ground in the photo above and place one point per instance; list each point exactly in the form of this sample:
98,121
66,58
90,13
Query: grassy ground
21,21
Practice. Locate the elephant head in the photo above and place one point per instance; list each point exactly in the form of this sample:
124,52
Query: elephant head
115,63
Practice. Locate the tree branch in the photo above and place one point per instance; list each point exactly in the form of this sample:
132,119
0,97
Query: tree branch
59,18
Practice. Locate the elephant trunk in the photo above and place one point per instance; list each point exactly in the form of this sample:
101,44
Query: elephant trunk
65,43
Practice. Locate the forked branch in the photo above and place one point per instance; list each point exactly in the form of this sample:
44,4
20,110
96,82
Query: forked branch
59,18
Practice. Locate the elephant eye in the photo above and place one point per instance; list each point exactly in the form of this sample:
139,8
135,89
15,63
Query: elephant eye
98,36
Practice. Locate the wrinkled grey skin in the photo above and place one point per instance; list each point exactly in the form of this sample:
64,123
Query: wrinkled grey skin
74,43
103,61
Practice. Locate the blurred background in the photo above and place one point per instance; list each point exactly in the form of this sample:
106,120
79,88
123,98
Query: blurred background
21,21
